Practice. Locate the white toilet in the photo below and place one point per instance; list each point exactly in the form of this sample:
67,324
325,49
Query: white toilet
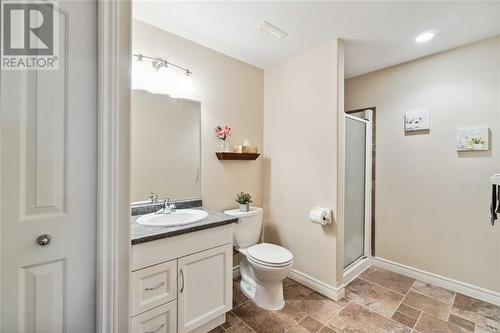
263,266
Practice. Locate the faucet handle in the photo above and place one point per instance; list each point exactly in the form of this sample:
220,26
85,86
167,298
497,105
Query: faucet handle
153,197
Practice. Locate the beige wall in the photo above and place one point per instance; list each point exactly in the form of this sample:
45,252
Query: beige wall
432,202
230,92
300,157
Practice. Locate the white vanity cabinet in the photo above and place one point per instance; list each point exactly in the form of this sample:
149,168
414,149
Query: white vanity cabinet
182,283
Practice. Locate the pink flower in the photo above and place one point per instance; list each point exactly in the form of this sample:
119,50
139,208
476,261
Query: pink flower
223,133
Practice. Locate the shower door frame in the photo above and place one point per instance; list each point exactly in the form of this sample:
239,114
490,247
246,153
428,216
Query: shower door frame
361,263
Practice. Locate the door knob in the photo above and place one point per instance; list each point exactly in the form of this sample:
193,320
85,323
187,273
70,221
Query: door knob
43,240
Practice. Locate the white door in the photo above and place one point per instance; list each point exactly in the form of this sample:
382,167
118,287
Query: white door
48,165
205,287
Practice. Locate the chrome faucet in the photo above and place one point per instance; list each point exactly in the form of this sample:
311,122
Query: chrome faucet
168,207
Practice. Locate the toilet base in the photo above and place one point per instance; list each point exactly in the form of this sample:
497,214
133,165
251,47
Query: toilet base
269,297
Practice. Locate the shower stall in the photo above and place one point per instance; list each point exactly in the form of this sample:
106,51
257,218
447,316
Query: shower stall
358,191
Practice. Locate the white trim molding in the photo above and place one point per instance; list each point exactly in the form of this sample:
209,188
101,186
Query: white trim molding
340,214
335,293
113,235
440,281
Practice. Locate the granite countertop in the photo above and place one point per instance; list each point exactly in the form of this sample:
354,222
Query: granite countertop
143,233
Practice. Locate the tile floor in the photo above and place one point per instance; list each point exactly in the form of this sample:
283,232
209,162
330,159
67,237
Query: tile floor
378,301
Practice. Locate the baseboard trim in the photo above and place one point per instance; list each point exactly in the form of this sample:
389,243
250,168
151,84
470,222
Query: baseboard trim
440,281
317,285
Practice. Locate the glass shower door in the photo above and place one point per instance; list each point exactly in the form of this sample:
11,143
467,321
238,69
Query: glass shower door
355,189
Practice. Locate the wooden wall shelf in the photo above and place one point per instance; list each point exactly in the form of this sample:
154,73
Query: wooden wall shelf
236,156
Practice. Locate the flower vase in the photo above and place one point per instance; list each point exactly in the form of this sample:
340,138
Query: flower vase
224,146
244,207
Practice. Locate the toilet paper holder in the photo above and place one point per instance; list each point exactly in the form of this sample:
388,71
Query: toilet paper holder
321,215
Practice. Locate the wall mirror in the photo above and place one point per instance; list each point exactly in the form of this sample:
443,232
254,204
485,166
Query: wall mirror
165,147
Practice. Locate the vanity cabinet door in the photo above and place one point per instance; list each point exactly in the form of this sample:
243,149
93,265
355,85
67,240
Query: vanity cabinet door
153,286
205,287
162,319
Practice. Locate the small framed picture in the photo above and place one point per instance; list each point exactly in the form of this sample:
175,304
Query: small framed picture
475,138
417,120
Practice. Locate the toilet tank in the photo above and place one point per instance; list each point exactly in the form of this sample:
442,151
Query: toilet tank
247,231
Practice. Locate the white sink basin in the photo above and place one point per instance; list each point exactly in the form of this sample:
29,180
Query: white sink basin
179,217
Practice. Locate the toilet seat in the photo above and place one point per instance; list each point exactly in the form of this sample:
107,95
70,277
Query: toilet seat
269,255
268,265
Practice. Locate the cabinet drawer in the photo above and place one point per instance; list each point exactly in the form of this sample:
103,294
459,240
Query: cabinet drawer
153,286
162,319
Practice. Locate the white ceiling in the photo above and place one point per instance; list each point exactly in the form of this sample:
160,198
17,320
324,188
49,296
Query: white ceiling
376,34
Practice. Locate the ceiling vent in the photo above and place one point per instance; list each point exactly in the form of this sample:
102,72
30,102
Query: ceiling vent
272,30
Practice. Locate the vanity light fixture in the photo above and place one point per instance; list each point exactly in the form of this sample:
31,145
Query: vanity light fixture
425,37
158,63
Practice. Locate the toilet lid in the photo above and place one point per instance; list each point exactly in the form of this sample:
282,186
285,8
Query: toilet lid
270,254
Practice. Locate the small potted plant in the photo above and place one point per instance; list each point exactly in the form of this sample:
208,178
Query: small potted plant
476,143
244,199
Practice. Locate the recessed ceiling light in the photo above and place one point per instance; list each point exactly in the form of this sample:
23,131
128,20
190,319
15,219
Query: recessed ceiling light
425,37
272,30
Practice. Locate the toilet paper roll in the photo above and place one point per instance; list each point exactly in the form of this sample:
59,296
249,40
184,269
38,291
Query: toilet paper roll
320,215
